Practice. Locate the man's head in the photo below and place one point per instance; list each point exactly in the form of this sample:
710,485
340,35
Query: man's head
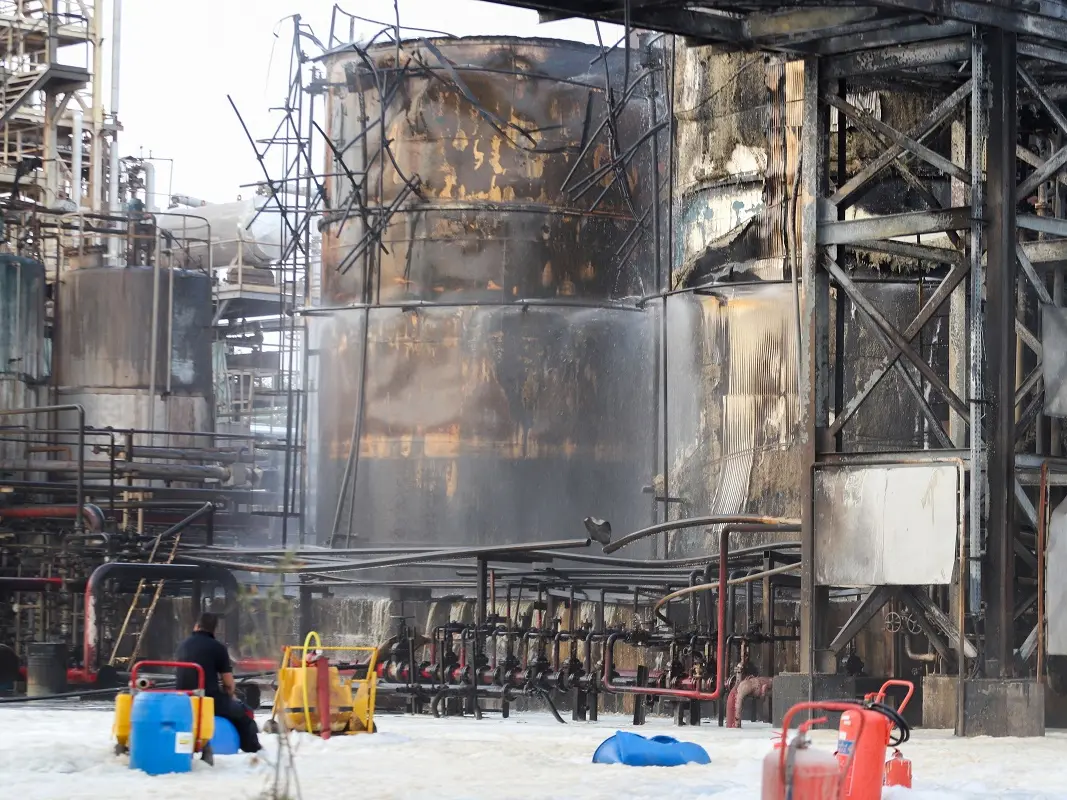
207,623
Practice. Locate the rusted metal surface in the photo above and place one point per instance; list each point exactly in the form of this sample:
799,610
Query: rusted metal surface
483,423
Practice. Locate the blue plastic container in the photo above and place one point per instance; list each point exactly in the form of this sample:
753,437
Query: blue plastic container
225,741
657,751
161,733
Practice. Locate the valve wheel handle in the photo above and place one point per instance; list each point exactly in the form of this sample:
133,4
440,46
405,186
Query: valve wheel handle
913,625
893,622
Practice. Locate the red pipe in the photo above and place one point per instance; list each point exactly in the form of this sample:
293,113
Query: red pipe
75,676
720,645
322,668
92,515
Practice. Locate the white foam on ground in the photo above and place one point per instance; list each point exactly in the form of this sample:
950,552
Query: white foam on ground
68,754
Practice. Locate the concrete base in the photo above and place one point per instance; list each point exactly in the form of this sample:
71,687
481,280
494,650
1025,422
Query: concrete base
992,707
791,688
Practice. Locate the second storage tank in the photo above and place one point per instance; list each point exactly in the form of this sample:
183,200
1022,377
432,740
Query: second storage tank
479,418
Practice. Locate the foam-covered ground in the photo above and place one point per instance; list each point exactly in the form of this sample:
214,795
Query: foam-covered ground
66,753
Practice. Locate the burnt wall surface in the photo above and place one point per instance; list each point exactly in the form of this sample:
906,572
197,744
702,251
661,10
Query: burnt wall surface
734,417
480,422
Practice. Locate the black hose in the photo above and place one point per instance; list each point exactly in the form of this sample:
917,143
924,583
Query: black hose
64,696
890,713
903,729
164,684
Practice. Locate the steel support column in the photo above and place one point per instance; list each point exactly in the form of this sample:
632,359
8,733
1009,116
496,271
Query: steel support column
816,330
1000,353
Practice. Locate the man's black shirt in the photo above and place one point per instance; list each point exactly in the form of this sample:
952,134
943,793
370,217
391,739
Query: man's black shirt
202,648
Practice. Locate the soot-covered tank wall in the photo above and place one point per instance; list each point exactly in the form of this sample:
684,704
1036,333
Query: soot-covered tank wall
105,356
23,362
735,420
483,419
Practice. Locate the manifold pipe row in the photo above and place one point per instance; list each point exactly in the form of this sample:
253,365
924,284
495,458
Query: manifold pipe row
720,634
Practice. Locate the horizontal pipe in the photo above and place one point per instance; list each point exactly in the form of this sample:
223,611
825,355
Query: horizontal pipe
91,515
501,552
787,525
243,456
21,584
161,471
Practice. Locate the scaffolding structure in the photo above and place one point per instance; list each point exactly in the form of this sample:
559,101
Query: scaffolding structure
266,387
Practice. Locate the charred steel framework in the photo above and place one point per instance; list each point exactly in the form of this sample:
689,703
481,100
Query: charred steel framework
998,69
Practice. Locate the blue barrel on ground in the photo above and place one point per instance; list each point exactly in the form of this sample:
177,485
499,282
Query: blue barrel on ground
161,733
226,741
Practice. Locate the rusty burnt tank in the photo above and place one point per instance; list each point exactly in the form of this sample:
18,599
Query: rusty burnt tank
508,389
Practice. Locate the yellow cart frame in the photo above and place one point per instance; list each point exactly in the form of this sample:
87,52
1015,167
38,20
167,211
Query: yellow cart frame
370,681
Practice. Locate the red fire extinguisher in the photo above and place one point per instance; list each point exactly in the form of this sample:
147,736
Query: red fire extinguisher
794,771
863,759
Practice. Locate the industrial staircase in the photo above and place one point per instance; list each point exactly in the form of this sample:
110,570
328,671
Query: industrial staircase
36,90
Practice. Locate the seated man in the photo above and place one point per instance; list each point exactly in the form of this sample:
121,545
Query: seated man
204,649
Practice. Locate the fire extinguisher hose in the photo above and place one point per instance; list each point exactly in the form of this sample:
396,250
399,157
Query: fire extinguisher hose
903,729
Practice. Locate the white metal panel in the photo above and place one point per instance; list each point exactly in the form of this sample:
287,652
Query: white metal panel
1054,359
886,525
1056,582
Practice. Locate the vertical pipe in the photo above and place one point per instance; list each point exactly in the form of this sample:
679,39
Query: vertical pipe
152,353
976,389
113,161
658,409
76,136
1042,534
97,112
149,187
841,305
1055,426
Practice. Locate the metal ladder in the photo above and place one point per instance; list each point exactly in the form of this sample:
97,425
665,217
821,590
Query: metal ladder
135,603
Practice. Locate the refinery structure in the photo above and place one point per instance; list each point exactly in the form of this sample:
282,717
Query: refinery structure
712,369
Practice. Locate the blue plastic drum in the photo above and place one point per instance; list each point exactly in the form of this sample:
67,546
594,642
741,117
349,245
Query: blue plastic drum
161,733
225,741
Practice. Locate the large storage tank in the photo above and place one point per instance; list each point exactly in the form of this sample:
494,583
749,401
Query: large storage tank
23,359
481,422
105,356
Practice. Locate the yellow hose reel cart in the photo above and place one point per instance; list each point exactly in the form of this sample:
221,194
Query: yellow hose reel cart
311,688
